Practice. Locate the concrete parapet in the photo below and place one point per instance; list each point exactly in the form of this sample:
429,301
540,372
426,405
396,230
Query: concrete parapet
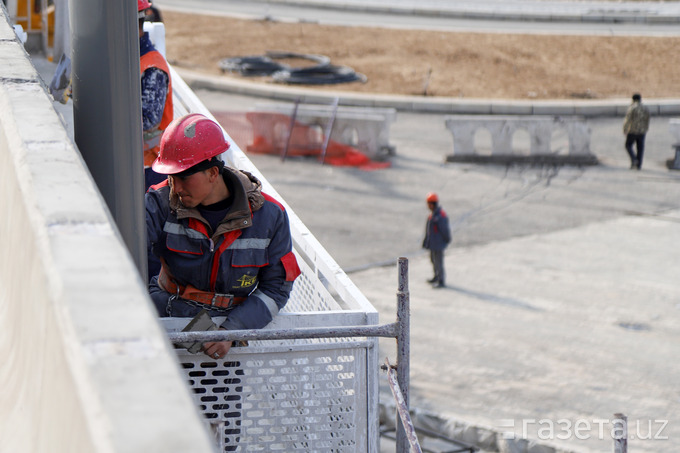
86,365
488,438
443,105
674,129
503,128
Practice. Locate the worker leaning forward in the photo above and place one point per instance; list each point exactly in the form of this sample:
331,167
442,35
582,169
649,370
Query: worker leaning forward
224,245
157,110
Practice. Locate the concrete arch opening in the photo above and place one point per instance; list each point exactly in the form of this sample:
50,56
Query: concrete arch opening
350,136
559,141
521,142
483,141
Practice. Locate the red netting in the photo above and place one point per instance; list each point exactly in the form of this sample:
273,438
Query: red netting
267,133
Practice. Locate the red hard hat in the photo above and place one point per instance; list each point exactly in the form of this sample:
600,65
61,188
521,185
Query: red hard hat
143,4
188,141
432,198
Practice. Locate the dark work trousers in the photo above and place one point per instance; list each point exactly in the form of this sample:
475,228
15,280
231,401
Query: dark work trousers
639,141
437,257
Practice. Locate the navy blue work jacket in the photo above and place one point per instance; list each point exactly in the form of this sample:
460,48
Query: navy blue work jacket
248,255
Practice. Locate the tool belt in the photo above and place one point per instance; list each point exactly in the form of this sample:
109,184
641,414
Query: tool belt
188,292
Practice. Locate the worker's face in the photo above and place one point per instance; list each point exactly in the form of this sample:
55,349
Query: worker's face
431,205
192,189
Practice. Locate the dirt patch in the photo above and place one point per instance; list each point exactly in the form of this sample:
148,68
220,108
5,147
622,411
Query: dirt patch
436,63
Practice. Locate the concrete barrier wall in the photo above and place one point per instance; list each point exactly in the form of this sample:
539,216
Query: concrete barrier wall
86,367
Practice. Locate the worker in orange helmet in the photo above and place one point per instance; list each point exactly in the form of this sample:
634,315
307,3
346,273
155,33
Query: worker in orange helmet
223,244
437,238
156,84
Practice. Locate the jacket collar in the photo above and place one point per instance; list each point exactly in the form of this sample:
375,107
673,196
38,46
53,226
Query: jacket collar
248,198
145,45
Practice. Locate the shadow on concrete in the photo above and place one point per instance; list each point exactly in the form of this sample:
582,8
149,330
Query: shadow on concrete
492,298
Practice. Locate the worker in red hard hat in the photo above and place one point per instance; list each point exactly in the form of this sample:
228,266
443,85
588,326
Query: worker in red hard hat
151,13
224,245
156,84
437,238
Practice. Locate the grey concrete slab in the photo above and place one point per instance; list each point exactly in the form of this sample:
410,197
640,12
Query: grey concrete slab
562,301
425,104
553,272
512,108
17,67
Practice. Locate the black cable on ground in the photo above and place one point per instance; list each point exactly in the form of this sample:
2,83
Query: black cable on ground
325,75
322,73
263,65
251,65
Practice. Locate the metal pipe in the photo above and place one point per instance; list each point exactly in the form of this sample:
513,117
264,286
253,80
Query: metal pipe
384,330
329,130
620,433
44,32
290,130
403,347
402,410
107,111
62,33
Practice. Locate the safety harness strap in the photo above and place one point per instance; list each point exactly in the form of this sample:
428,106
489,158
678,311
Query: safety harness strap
189,292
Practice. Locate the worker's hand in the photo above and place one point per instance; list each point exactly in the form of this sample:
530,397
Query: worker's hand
217,349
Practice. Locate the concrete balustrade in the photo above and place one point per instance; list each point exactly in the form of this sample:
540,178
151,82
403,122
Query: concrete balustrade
86,366
503,128
364,128
674,129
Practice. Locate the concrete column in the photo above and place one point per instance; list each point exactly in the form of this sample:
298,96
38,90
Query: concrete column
107,110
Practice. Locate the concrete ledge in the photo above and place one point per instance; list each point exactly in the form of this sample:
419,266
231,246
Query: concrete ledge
500,159
87,367
484,437
442,105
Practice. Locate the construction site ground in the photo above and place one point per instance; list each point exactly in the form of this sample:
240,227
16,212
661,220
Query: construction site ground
439,63
561,301
562,304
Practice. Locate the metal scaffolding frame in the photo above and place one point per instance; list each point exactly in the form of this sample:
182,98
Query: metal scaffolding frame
406,438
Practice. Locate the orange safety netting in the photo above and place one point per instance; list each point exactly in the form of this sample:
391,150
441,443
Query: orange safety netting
268,133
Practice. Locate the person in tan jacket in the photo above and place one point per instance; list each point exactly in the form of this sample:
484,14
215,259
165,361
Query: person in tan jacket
635,126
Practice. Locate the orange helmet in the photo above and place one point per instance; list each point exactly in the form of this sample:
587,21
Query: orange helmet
188,141
432,198
142,6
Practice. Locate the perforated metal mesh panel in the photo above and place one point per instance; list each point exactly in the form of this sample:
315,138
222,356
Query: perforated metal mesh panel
313,400
308,293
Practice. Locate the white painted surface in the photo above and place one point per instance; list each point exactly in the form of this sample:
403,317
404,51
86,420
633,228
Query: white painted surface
86,366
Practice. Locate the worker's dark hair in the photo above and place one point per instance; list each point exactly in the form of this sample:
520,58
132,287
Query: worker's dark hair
202,166
637,97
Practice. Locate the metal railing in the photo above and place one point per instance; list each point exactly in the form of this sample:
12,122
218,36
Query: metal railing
400,330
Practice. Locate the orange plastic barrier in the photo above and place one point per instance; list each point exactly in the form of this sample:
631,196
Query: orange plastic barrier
267,133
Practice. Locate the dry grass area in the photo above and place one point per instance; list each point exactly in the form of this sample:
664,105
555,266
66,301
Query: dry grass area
435,63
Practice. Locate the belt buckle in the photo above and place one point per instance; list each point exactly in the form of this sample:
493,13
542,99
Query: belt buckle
216,295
